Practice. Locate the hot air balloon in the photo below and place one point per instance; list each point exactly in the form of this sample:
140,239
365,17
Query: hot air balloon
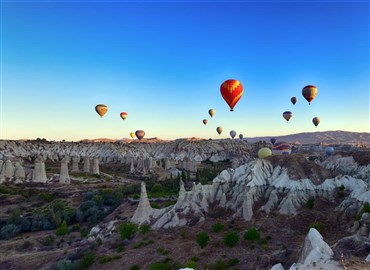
281,148
232,134
316,121
287,115
123,115
273,140
264,152
329,150
309,92
241,136
293,100
205,121
132,134
101,109
140,134
211,112
219,130
231,91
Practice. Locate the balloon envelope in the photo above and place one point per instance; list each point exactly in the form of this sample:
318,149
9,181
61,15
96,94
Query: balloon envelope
241,136
140,134
205,121
231,91
219,130
293,100
281,148
329,150
273,140
316,121
309,92
211,112
132,134
101,109
123,115
232,134
287,115
264,152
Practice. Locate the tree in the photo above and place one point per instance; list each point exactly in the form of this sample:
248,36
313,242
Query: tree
202,239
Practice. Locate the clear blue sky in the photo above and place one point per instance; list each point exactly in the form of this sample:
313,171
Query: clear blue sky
163,62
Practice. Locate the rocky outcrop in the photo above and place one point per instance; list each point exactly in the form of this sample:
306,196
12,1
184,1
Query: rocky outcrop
143,211
64,175
86,164
39,173
75,161
9,170
95,167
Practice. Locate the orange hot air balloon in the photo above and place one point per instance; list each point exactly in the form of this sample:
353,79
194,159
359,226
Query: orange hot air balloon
101,109
140,134
132,134
219,130
123,115
287,115
231,91
205,121
211,112
316,121
309,92
293,100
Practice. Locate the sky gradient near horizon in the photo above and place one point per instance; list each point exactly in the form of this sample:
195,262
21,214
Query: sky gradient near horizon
163,62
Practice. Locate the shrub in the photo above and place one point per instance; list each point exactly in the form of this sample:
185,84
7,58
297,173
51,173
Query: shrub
84,232
127,230
144,228
156,188
317,225
62,229
366,208
48,240
64,265
120,248
105,259
87,261
164,265
233,262
9,231
202,239
217,227
162,251
155,205
135,267
46,196
252,234
231,239
76,227
15,216
310,203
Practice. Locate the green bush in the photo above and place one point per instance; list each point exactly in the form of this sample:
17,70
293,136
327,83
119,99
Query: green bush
46,196
163,265
9,231
76,227
48,240
202,239
84,232
64,265
105,259
156,188
231,239
155,205
127,230
162,251
135,267
310,203
87,261
233,262
317,225
144,228
62,229
252,234
217,227
366,208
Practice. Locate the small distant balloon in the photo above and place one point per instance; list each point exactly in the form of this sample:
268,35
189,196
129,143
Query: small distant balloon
309,92
293,100
132,134
232,134
205,121
273,140
101,109
231,91
219,130
329,150
264,152
287,115
316,121
140,134
123,115
211,112
241,136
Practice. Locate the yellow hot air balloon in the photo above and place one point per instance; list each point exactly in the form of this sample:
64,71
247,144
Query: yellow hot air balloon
101,109
132,134
211,112
264,152
309,92
316,121
219,130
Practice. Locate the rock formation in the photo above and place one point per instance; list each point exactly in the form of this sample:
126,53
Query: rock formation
86,164
143,211
64,175
9,170
95,167
75,161
39,173
2,171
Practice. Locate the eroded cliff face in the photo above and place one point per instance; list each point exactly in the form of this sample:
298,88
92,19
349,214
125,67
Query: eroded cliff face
254,183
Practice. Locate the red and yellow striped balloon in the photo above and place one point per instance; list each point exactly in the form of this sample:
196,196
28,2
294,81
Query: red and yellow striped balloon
231,91
123,115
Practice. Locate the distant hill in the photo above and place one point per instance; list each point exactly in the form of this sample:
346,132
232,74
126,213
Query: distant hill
325,137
